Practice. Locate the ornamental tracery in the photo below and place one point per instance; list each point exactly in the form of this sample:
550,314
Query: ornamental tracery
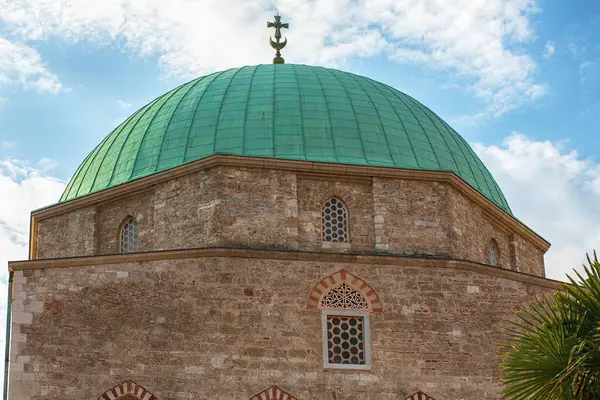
342,290
345,302
344,297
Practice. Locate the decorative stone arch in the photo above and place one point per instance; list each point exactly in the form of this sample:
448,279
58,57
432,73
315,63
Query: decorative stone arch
342,276
419,396
273,393
128,390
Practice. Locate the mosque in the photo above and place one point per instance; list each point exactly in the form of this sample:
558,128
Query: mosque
276,231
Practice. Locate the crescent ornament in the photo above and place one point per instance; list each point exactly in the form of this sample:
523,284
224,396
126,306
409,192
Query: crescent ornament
277,45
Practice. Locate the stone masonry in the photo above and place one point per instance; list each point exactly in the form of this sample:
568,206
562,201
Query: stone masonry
222,300
262,208
229,327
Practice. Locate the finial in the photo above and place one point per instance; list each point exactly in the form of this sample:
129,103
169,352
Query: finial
278,44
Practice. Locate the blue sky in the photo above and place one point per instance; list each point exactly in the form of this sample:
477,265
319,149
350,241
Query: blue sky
519,79
94,75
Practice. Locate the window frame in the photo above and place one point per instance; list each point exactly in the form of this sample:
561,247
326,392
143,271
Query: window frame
325,313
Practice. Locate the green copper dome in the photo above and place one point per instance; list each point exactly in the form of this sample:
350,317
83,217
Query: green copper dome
284,111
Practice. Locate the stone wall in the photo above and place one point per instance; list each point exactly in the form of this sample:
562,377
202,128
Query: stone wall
184,211
258,208
228,328
111,217
472,234
266,208
358,199
471,225
412,217
528,258
68,235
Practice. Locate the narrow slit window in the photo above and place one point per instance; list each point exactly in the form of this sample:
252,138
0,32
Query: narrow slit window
494,253
334,217
130,236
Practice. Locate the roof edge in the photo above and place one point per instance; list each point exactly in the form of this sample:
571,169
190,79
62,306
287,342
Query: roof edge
291,255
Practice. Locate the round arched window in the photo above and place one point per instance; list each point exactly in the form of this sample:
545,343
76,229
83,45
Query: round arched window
130,236
334,218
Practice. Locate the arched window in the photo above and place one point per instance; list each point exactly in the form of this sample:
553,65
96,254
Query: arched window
494,253
130,236
334,221
273,393
419,396
128,390
345,302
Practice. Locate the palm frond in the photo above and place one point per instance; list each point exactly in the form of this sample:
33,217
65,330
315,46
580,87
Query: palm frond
552,349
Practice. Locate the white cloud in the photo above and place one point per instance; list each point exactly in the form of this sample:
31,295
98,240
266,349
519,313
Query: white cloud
22,65
549,49
587,71
7,144
477,41
573,48
554,191
24,187
123,104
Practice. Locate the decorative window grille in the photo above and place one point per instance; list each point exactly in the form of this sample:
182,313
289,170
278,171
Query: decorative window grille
345,340
334,217
346,303
130,236
344,297
494,253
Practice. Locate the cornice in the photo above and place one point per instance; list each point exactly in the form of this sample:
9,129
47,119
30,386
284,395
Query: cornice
401,261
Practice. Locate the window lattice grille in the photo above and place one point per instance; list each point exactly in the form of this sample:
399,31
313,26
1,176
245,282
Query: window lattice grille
130,236
344,297
334,221
345,340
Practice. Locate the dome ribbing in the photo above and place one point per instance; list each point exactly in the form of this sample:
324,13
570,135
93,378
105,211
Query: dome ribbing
285,111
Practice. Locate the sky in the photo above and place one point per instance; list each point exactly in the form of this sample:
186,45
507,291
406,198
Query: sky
519,79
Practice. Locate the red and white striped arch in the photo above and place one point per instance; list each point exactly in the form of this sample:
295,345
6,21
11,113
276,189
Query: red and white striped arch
128,390
273,393
419,396
342,276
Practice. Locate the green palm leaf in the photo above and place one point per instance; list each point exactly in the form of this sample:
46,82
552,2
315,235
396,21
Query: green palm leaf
552,349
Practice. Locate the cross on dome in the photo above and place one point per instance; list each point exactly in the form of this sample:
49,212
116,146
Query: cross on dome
278,44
